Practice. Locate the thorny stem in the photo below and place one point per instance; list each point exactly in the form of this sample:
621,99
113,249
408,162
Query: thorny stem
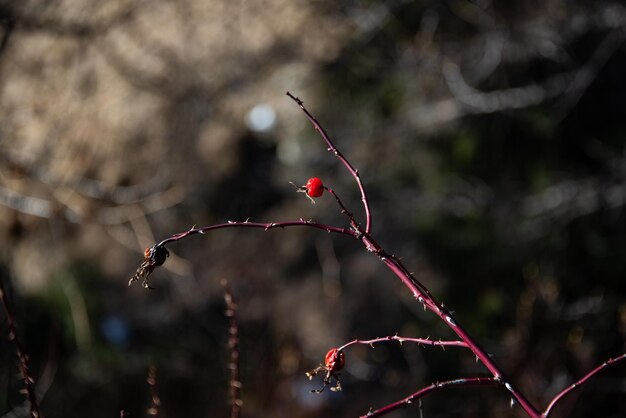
353,223
259,225
572,387
332,148
470,381
419,291
233,347
423,295
29,382
401,340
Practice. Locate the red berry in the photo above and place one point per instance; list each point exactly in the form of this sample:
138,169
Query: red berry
334,360
314,187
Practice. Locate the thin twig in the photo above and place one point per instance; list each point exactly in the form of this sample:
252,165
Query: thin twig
155,404
353,223
610,362
470,381
419,291
423,295
332,148
262,225
419,341
148,266
29,381
233,347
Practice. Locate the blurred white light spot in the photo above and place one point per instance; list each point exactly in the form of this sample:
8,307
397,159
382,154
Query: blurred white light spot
261,118
289,152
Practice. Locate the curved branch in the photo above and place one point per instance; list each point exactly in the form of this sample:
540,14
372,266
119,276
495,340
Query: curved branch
29,382
400,340
332,148
233,347
422,294
579,383
470,381
156,255
262,225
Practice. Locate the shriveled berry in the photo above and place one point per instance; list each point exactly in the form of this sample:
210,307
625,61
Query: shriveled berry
156,255
334,360
160,254
314,187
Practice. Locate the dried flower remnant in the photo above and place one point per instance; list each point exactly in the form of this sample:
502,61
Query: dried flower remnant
334,361
153,257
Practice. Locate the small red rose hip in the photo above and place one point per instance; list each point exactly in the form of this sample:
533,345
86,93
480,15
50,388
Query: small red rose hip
314,187
334,360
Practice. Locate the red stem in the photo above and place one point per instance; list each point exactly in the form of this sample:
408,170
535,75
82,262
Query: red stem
420,341
29,382
261,225
423,295
572,387
419,291
470,381
332,148
236,402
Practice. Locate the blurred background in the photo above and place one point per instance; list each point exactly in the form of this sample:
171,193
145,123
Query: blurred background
490,137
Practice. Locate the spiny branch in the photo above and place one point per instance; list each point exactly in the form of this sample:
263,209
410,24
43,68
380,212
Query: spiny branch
262,225
419,291
332,148
401,340
470,381
149,264
610,362
233,347
29,382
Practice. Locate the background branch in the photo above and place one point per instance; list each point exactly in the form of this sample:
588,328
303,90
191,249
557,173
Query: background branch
22,357
233,347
